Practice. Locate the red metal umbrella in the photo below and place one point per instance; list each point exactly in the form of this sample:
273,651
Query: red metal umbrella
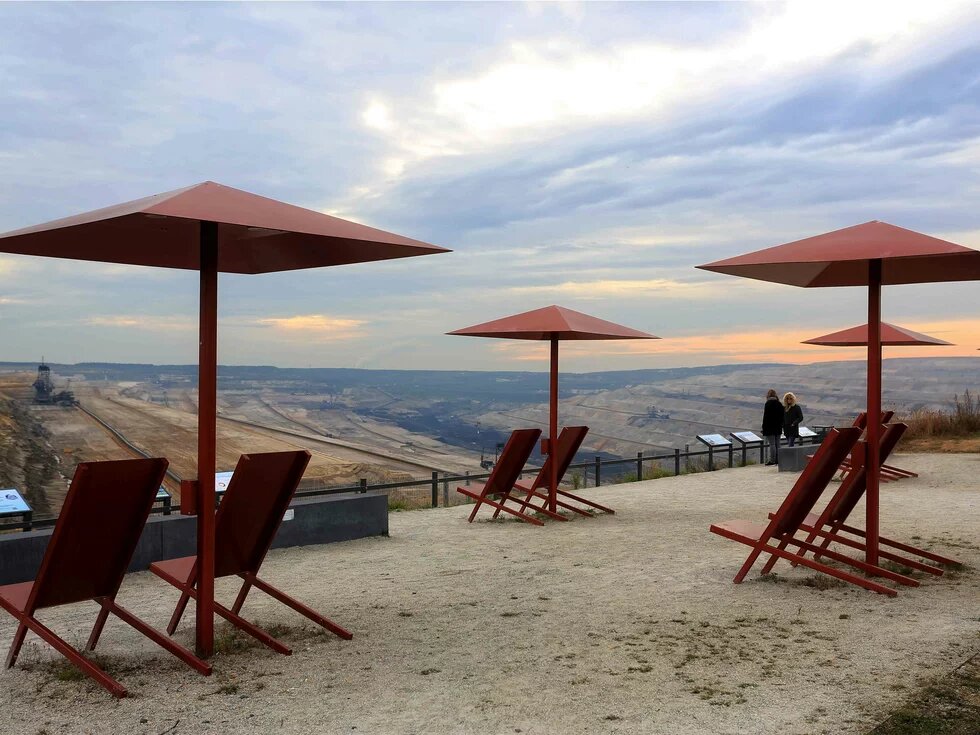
891,336
872,254
552,323
210,228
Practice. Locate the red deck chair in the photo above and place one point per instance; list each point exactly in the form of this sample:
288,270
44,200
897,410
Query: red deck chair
791,515
888,473
504,475
569,441
246,523
831,524
86,559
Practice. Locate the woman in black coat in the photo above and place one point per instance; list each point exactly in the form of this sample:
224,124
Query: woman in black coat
792,418
772,425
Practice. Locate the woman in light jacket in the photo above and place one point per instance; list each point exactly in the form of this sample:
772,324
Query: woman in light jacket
772,425
792,418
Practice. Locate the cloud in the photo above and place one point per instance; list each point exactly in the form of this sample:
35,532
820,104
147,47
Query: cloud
553,84
320,327
650,288
144,322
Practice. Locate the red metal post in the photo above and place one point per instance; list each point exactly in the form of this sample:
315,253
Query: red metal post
553,430
874,408
207,436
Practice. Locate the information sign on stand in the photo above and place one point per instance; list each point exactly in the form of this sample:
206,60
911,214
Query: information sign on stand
163,496
12,503
221,482
806,433
715,441
750,439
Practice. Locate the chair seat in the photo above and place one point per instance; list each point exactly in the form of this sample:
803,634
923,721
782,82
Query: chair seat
180,569
749,531
16,594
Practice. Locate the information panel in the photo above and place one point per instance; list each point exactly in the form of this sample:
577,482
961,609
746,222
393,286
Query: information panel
221,480
162,493
12,502
714,440
806,433
746,437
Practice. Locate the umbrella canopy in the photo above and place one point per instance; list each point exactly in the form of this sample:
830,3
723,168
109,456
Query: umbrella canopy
891,336
871,255
552,323
841,258
256,234
210,227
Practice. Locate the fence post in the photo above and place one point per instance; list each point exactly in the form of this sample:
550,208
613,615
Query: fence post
711,458
598,464
677,462
363,483
435,489
467,478
167,505
28,520
730,452
743,455
445,491
762,452
639,466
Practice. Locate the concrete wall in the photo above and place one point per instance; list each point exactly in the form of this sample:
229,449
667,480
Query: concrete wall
320,520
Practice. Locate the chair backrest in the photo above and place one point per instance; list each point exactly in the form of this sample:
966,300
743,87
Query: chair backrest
813,480
511,461
252,508
861,421
569,441
96,534
856,482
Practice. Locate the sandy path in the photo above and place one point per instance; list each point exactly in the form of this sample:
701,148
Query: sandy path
618,624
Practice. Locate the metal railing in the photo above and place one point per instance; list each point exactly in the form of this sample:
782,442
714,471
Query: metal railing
438,489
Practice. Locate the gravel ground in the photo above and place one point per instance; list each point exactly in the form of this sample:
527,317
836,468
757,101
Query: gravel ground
620,624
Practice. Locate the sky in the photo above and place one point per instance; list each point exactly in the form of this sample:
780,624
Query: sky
582,154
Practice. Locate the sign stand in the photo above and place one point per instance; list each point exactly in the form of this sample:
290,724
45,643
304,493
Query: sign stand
712,441
748,439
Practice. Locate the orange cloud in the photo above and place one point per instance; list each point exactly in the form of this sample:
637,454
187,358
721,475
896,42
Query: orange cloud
151,323
320,326
762,345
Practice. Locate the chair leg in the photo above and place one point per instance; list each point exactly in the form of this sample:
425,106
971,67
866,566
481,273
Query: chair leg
178,613
15,646
302,609
242,594
75,658
771,562
100,621
504,508
758,549
161,640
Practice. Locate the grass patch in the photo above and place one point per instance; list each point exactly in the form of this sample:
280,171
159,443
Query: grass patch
947,706
821,582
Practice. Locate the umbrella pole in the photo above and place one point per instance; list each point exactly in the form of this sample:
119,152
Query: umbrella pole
553,430
874,408
206,437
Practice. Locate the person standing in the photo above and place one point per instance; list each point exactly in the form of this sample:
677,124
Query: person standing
792,418
772,425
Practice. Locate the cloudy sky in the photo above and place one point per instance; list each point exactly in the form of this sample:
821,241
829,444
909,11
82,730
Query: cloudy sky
582,154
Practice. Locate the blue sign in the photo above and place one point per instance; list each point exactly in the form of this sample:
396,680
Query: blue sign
12,502
162,493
